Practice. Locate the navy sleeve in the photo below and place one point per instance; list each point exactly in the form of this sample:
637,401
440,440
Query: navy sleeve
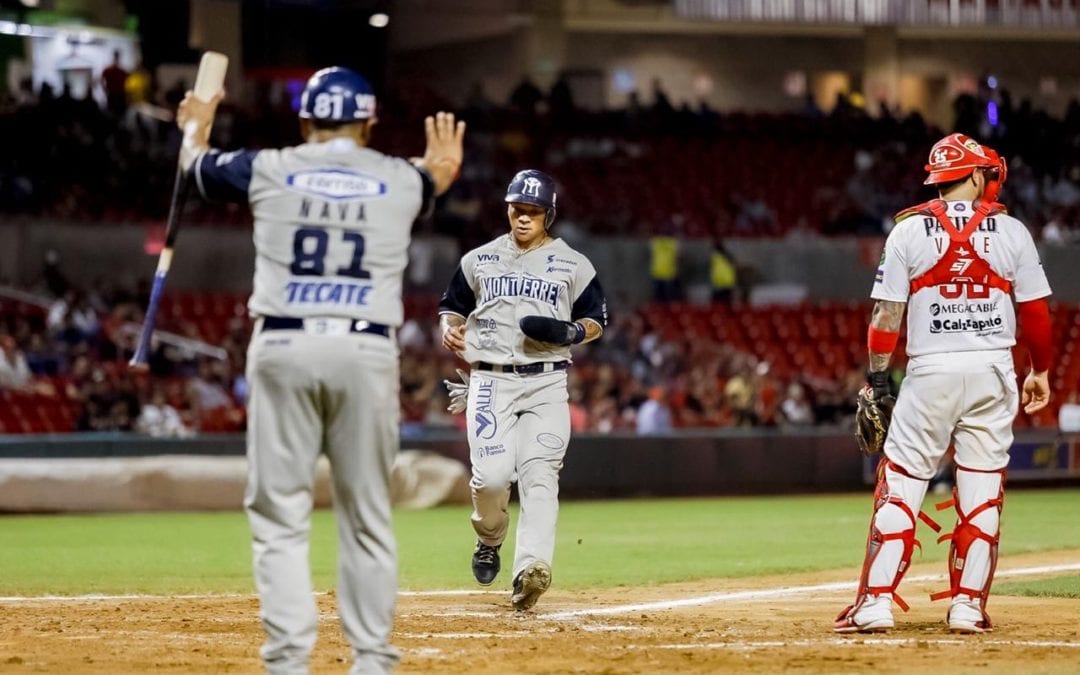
427,203
224,176
591,304
459,297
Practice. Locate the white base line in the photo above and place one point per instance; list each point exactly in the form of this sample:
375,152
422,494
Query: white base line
92,597
757,594
839,642
760,594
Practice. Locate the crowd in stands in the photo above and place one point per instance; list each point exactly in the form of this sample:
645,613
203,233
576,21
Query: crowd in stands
690,170
63,366
651,168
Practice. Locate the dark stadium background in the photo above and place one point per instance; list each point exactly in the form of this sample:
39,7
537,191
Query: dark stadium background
778,137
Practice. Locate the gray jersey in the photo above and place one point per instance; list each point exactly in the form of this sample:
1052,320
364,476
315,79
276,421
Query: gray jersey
332,226
496,285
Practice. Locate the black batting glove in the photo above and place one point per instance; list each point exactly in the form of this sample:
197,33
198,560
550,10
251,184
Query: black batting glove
879,382
553,331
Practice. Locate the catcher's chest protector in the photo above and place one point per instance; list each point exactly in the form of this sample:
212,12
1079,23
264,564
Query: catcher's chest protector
960,272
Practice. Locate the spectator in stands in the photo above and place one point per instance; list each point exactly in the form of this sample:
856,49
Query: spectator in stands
41,357
526,96
740,395
654,415
137,86
478,106
664,265
579,415
52,276
161,420
14,373
72,319
561,100
754,218
722,274
107,407
113,81
1065,191
1069,415
795,409
206,390
605,415
1054,232
661,108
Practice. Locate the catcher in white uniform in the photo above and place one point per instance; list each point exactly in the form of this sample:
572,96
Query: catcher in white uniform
333,220
512,310
959,262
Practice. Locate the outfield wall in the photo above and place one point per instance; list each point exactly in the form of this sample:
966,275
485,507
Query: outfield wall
132,472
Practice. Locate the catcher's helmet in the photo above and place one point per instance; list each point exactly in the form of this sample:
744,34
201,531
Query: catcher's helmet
956,156
337,95
533,187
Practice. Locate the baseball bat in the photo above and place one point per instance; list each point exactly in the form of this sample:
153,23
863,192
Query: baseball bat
208,83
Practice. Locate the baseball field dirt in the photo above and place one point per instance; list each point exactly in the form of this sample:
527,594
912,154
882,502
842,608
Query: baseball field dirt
762,624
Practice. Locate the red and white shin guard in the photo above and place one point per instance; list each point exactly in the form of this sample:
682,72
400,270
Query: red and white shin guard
978,498
897,499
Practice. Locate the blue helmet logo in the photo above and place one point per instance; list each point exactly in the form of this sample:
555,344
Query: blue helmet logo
533,187
337,95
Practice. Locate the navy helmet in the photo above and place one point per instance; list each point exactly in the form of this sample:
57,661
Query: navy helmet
533,187
337,95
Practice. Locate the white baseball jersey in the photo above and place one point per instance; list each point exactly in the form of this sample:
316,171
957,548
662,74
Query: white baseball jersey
329,233
966,307
496,285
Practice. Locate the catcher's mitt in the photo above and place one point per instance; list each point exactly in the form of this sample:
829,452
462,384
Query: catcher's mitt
875,406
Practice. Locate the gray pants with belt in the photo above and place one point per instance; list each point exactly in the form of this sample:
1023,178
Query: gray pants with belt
338,394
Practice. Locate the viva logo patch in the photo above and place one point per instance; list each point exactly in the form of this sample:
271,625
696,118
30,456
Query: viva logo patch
337,184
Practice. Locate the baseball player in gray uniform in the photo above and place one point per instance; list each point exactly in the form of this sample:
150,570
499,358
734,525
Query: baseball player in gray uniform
512,310
332,227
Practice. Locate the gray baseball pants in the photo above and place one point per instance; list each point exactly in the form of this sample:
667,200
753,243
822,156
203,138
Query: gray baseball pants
309,394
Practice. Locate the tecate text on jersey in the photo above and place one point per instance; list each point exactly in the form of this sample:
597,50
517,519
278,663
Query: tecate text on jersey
327,292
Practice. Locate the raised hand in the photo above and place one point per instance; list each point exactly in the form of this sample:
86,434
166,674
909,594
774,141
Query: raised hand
445,149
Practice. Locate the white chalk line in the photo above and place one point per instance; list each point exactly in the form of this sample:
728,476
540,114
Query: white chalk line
421,594
755,594
466,636
785,591
458,614
840,642
98,597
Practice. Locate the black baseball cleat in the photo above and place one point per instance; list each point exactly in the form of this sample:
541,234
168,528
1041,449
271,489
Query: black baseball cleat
485,563
530,584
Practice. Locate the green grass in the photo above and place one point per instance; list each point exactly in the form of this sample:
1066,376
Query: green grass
1058,587
601,543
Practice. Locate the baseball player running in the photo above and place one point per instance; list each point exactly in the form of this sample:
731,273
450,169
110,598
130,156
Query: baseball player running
512,310
332,226
958,262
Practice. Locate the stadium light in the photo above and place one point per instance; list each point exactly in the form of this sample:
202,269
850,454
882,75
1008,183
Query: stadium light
379,20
